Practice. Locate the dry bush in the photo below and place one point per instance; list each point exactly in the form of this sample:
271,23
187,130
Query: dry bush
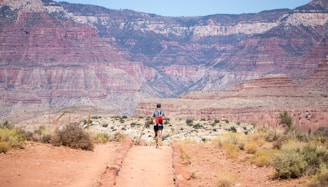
273,135
229,138
231,150
101,138
184,145
251,148
72,136
264,158
226,179
231,143
258,138
117,137
7,125
39,135
4,147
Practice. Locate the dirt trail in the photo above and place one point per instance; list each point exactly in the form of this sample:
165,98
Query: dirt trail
146,166
46,165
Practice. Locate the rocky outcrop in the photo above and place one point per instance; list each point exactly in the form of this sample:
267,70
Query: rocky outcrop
56,55
317,83
256,102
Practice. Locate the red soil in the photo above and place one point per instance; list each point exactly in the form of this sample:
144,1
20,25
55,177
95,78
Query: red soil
117,164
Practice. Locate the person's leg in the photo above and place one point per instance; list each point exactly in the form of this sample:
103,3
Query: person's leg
159,137
156,134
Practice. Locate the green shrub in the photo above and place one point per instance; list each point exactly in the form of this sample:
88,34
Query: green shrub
315,156
13,137
189,122
321,134
285,120
289,164
72,136
320,179
133,124
197,126
233,129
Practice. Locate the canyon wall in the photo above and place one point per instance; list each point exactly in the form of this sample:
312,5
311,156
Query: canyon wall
60,55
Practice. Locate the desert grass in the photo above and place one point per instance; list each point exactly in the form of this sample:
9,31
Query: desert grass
226,179
231,151
101,138
264,157
251,148
292,145
184,147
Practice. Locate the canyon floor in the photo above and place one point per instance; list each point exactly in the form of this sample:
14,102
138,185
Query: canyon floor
125,164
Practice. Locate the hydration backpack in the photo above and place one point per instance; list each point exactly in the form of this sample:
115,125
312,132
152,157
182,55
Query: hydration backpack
159,119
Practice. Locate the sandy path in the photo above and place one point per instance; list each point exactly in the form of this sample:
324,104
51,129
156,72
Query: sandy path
46,165
146,166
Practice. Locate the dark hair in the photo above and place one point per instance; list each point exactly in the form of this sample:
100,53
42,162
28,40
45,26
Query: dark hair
158,105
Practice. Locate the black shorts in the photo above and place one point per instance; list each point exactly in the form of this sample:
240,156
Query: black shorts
158,127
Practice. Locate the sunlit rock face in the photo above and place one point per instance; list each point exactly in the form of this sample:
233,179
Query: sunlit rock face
59,55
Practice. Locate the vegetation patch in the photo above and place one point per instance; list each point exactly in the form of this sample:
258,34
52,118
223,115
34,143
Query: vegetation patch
4,147
13,137
264,157
73,136
226,179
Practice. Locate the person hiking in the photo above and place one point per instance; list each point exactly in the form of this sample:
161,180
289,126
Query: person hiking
158,115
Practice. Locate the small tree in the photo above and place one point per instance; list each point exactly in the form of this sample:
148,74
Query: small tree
285,120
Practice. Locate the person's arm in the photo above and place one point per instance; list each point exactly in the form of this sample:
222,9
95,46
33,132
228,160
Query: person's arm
152,116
